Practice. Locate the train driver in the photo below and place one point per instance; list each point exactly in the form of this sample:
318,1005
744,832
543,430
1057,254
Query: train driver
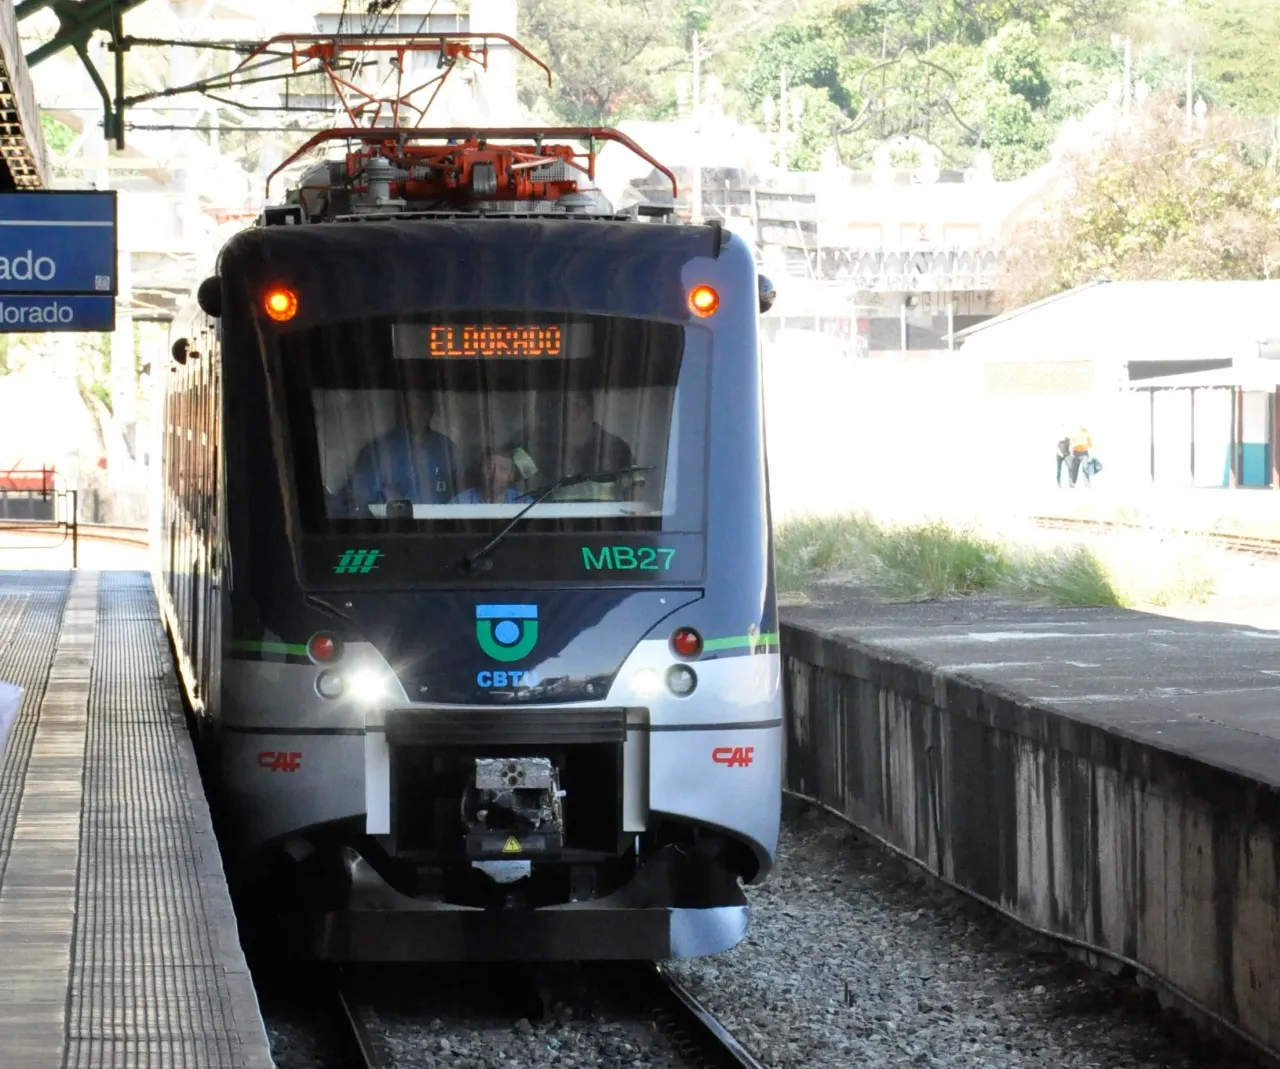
410,462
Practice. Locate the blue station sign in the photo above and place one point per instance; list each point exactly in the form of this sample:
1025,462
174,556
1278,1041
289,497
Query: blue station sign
58,261
25,314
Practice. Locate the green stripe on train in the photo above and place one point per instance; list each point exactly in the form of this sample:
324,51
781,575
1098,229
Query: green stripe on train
245,645
737,642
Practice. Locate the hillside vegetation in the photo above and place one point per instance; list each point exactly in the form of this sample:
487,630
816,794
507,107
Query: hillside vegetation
1002,74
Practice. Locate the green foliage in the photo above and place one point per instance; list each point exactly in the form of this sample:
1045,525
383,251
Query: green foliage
596,51
934,560
1077,88
100,391
1015,133
815,136
810,55
1151,205
614,59
1014,61
1242,42
1022,67
57,135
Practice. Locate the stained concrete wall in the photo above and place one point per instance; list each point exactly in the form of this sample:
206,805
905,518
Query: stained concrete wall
1140,852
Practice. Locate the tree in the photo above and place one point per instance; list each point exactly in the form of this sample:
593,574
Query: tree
1242,41
1153,205
1014,61
595,53
808,52
614,58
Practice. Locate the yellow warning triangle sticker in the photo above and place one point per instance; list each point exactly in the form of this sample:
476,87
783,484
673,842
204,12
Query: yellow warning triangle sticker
511,846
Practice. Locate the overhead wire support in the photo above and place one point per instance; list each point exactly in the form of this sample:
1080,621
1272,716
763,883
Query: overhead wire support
325,50
483,135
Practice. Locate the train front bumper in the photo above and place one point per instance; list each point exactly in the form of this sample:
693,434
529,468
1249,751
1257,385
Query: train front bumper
380,924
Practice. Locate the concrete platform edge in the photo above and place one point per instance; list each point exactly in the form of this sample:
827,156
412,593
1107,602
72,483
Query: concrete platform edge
246,1013
1079,829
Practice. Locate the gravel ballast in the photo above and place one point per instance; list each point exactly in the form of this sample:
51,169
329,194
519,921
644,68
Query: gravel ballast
476,1017
855,959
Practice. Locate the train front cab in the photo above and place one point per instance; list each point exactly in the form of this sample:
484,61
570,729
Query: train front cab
571,747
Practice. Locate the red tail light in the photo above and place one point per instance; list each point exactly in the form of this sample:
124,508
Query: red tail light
686,642
324,649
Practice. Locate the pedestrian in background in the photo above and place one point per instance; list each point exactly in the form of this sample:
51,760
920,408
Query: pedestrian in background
1064,454
1081,448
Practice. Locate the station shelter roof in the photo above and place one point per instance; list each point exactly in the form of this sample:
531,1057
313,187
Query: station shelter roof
1123,323
22,146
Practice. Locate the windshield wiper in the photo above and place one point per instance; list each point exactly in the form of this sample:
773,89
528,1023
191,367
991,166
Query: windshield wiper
479,560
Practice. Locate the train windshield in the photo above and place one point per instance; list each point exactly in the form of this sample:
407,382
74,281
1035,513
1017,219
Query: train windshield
458,423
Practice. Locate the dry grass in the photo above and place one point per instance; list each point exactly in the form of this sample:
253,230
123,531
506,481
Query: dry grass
935,560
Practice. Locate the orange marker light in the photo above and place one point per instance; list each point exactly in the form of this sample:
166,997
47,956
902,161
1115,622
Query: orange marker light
703,300
280,304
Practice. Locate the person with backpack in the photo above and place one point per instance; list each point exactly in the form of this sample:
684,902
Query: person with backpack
1064,453
1081,460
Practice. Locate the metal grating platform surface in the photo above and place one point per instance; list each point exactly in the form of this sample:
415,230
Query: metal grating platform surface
30,615
118,947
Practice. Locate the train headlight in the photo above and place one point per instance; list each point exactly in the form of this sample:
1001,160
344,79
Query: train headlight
329,685
368,687
646,682
681,680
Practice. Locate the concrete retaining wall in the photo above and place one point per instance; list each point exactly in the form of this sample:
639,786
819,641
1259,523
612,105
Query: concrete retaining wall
1143,853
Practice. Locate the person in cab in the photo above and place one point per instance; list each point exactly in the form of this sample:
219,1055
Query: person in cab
490,480
411,462
588,448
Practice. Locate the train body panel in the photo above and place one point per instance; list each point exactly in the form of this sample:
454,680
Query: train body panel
361,676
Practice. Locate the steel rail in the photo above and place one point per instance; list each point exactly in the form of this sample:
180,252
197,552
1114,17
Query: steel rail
701,1039
1240,543
369,1048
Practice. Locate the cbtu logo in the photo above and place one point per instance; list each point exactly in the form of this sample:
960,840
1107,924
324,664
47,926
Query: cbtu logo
510,678
501,636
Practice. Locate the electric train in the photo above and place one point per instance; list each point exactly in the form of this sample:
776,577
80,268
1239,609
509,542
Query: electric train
463,542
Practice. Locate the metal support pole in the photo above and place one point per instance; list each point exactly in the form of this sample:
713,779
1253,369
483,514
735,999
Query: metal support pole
1193,437
1275,434
75,529
696,193
1152,395
1233,478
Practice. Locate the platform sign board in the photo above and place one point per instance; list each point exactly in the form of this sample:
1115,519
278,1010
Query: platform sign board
58,261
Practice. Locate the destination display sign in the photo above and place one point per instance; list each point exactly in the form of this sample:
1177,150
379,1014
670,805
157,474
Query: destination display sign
472,341
58,243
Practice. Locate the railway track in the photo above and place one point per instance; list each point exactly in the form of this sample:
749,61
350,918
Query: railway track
1238,543
37,535
691,1031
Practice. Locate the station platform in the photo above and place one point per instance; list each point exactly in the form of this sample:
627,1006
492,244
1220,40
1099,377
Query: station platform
1104,776
1210,691
118,945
